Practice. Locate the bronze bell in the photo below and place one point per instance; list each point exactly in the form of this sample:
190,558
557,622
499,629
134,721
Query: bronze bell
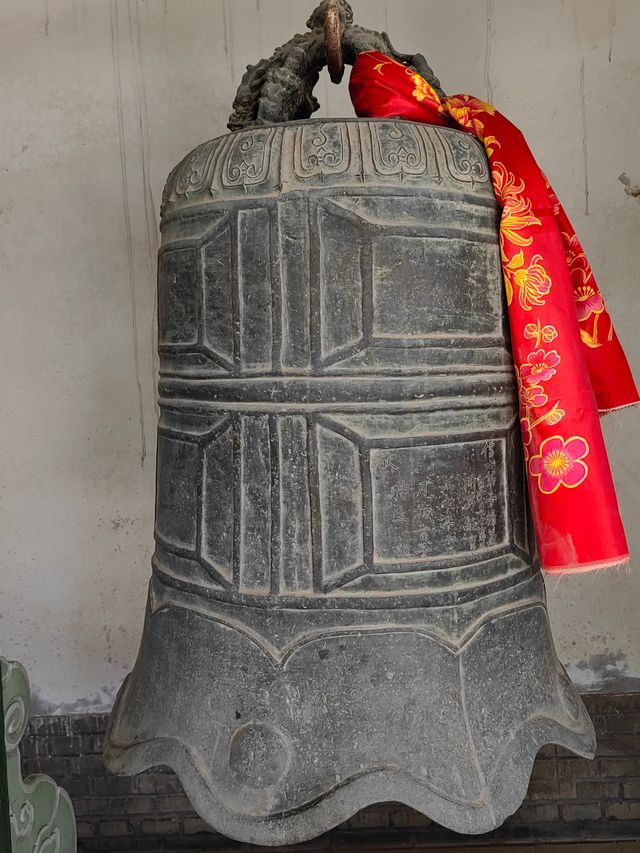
345,606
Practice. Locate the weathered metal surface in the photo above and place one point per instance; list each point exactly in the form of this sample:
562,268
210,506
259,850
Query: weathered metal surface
333,31
343,607
280,88
41,818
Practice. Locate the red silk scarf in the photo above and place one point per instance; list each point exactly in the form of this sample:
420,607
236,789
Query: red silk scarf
568,362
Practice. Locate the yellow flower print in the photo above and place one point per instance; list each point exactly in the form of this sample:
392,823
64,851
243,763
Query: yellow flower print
423,90
516,209
555,415
591,340
539,333
505,183
473,105
516,216
466,111
531,281
491,144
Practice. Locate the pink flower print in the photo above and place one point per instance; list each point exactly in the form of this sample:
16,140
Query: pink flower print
559,463
588,302
539,367
530,396
534,397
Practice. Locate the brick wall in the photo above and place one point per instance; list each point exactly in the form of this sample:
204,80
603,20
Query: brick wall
569,798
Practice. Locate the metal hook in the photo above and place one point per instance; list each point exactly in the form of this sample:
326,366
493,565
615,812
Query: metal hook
333,41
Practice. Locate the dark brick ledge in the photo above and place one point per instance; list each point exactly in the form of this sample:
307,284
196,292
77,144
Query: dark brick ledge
569,799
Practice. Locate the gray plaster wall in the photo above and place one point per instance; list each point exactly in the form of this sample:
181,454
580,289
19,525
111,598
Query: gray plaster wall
100,99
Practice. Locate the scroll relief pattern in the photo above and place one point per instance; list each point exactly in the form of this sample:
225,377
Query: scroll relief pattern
360,152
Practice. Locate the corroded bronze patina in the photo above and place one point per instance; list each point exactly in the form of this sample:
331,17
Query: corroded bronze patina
345,607
281,88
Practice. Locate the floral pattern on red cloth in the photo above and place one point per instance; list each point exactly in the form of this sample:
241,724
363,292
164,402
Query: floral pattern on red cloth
552,298
560,463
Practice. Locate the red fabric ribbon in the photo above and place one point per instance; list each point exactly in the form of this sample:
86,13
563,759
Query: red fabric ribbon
567,358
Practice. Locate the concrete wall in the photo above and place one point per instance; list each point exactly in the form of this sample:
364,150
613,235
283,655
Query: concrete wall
100,99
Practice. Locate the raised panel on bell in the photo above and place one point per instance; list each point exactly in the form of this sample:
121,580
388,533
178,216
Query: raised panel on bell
254,505
425,287
255,317
339,507
294,547
176,492
341,266
218,295
294,274
438,500
178,281
217,547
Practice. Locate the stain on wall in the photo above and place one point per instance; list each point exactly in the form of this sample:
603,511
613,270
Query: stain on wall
632,188
605,672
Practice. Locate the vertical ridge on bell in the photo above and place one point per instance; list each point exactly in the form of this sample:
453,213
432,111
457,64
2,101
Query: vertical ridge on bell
255,505
276,502
177,282
218,328
295,555
254,289
176,500
217,509
295,307
340,493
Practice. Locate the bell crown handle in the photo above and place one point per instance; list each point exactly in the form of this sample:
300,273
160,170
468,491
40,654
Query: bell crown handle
281,88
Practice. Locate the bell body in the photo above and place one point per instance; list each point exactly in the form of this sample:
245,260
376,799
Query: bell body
344,608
